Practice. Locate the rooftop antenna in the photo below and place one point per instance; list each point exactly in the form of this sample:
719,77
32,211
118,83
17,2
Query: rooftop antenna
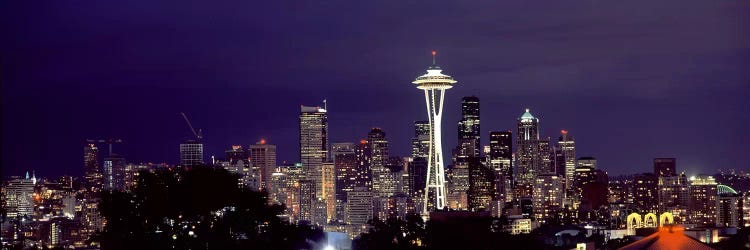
433,57
325,105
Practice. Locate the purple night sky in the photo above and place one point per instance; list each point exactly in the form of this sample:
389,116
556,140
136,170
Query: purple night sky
630,80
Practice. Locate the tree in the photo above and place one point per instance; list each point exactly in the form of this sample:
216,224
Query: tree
197,208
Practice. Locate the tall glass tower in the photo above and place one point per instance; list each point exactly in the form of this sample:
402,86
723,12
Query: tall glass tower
313,144
434,84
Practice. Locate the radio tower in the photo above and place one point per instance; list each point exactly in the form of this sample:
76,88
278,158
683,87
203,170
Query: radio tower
434,84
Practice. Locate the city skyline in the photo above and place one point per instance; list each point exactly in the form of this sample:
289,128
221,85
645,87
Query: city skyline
634,95
302,125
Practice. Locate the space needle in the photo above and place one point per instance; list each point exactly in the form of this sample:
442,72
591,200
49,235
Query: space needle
434,84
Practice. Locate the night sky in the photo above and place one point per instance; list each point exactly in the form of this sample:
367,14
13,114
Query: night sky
630,80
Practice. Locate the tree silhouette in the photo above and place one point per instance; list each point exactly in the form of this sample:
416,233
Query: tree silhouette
197,208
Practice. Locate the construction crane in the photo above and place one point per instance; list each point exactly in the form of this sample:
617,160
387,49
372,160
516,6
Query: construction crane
198,135
108,141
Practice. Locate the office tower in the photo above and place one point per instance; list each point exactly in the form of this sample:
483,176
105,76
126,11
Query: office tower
363,154
548,196
546,159
703,200
307,200
457,186
114,173
528,156
92,175
345,166
420,143
568,147
313,143
468,130
263,161
435,84
417,176
673,194
359,206
500,158
19,196
645,196
278,192
381,177
729,207
294,174
191,153
481,189
665,167
329,190
585,172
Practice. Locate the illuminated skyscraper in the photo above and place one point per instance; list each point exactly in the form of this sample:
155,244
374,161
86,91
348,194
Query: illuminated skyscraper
381,177
19,196
263,162
435,84
363,155
548,196
420,143
329,190
313,143
114,172
93,177
528,156
345,165
500,158
568,147
703,200
729,209
468,130
481,186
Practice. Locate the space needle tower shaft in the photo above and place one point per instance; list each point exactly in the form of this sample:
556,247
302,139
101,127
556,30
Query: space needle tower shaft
434,84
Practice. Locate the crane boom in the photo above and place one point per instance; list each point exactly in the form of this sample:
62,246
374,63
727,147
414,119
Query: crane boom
197,135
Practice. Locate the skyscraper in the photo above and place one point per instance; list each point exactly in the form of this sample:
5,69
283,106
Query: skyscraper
481,189
191,153
501,152
313,143
381,177
548,196
363,155
307,200
19,196
329,190
468,130
345,165
420,143
93,177
673,194
729,208
568,147
114,172
703,200
500,158
528,155
263,162
435,84
665,167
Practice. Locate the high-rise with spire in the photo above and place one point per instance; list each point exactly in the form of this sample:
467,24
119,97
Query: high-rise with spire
434,84
527,157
